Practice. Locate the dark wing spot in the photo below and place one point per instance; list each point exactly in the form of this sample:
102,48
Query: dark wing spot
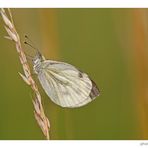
94,91
80,75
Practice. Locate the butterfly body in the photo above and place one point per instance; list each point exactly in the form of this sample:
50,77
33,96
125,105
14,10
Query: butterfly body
63,83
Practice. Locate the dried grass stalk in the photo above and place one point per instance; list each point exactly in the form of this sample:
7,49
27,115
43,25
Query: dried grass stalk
39,114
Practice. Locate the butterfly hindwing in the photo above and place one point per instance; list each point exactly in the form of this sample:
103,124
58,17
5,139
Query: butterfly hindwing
66,85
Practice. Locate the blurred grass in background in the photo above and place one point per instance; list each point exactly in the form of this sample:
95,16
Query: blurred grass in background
108,44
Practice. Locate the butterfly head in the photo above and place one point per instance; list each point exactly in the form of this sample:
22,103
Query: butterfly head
38,58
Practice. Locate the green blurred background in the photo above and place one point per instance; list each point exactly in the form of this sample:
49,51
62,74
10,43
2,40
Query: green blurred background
108,44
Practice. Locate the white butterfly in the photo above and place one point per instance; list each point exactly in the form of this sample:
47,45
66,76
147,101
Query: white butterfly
63,83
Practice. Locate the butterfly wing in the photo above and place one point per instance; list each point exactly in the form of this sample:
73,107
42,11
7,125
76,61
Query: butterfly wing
66,85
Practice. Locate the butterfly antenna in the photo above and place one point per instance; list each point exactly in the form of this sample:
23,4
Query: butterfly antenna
31,43
29,57
29,39
31,46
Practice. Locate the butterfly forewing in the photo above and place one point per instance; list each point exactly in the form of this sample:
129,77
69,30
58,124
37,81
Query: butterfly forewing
66,85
